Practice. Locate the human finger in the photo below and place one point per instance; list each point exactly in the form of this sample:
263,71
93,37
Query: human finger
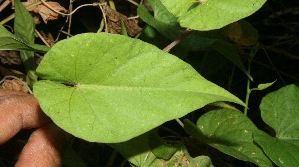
19,111
43,148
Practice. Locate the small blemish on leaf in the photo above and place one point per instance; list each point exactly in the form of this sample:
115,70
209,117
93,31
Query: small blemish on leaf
70,84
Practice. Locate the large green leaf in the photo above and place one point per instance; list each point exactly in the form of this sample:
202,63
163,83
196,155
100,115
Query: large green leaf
211,14
111,88
280,110
230,132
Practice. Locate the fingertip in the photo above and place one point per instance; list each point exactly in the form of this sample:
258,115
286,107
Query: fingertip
43,148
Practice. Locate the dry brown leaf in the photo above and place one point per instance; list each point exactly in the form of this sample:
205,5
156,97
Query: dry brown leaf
48,14
114,20
10,57
45,12
15,84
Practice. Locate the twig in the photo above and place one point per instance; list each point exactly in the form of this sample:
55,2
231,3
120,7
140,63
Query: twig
284,12
101,25
42,38
133,2
68,14
4,5
273,65
280,72
104,18
70,17
282,52
133,17
66,33
180,122
61,30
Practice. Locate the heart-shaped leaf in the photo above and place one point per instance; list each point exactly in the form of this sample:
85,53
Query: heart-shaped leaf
111,88
280,110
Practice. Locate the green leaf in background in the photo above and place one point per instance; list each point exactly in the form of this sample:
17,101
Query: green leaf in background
24,29
9,41
139,153
167,25
241,32
23,23
162,21
71,158
161,149
211,14
283,152
230,52
280,110
230,132
111,88
182,158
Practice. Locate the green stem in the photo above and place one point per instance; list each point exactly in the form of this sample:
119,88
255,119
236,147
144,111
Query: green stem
27,58
248,90
247,96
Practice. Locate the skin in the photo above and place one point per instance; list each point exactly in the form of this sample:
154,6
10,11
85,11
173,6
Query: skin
21,111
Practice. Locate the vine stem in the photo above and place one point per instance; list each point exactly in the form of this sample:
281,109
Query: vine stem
247,95
178,40
248,90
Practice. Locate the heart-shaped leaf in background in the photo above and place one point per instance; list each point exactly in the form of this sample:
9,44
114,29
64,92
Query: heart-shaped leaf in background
140,152
206,15
280,110
111,88
230,132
